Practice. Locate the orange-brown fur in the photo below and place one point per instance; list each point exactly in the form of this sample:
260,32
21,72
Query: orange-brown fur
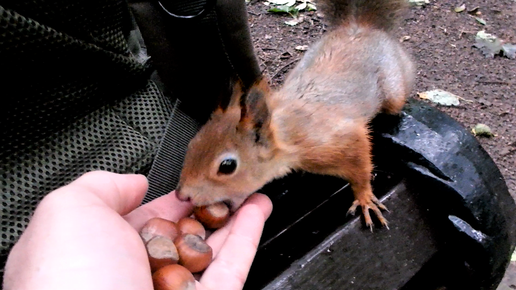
317,121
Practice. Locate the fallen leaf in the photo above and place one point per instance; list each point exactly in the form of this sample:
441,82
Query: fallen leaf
480,20
290,7
483,35
283,9
490,45
311,7
294,21
302,47
404,38
482,130
474,11
509,50
440,97
301,6
419,2
460,8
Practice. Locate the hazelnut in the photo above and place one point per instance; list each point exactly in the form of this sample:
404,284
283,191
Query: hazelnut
213,216
162,252
173,277
194,253
159,227
191,226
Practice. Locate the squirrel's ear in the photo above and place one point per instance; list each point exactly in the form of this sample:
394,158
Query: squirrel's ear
255,111
233,95
237,92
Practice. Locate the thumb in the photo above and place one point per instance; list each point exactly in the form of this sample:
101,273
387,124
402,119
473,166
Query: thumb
121,192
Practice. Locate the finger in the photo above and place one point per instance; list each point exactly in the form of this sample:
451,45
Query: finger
121,192
217,239
231,264
166,207
263,202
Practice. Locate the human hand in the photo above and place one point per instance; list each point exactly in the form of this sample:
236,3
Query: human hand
85,236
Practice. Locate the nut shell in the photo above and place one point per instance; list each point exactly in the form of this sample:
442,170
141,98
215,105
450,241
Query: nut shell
159,227
161,252
173,277
194,253
191,226
213,216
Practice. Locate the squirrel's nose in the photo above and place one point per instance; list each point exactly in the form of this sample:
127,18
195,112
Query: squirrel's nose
180,195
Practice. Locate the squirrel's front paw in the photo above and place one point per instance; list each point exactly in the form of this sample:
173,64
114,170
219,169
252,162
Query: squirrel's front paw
369,202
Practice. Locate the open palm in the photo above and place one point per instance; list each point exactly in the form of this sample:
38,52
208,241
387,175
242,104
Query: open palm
85,236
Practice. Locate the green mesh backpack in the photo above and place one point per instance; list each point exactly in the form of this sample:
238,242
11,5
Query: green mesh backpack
95,85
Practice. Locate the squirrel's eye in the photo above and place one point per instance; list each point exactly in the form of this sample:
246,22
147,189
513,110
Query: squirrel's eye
227,166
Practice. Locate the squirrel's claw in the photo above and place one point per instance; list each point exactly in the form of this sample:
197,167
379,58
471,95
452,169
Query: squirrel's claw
370,204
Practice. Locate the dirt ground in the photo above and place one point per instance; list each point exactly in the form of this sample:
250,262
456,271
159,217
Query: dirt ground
441,43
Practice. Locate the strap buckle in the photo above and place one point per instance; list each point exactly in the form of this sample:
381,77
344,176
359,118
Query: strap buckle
177,8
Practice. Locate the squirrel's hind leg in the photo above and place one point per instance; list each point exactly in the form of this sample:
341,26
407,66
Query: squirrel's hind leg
348,156
356,167
393,105
396,78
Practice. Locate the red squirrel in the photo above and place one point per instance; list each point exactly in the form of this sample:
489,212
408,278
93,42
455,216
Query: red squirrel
317,121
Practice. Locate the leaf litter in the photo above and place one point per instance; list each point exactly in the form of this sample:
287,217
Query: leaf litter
482,130
419,2
441,97
481,21
491,45
460,8
301,48
292,7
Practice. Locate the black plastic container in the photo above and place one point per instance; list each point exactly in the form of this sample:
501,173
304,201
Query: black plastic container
451,216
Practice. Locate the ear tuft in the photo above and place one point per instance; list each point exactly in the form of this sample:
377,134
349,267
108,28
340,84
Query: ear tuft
233,95
255,111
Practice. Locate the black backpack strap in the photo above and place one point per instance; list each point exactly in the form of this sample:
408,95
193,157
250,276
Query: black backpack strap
196,57
166,168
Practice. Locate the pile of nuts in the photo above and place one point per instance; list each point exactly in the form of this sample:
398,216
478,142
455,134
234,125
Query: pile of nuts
177,250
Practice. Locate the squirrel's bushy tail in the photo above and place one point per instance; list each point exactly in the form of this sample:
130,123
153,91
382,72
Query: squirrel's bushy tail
381,14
